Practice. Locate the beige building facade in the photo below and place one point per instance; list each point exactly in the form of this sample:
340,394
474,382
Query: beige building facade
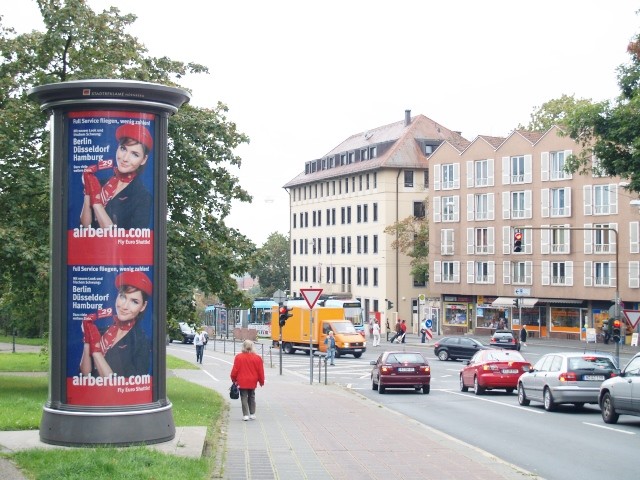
342,203
579,247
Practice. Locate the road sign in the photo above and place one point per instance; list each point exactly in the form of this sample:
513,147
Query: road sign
522,292
310,295
429,323
633,316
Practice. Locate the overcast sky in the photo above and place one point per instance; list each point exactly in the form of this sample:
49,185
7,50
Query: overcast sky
300,77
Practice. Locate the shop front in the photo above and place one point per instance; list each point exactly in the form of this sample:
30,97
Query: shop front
458,310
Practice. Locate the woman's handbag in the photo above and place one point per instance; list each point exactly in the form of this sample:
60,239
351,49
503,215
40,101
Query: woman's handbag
234,392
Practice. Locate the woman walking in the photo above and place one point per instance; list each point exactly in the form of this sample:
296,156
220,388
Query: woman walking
247,372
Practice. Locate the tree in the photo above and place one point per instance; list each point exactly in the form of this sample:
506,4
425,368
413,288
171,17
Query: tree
553,112
272,264
608,131
412,239
203,253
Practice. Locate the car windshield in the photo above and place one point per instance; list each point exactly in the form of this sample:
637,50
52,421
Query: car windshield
502,335
343,327
590,363
405,358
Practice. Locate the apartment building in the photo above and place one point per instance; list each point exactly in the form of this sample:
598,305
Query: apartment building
341,204
579,237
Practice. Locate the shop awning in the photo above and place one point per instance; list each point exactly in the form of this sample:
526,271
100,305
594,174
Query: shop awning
511,302
560,300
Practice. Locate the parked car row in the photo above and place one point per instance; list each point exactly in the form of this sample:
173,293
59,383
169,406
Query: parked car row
557,378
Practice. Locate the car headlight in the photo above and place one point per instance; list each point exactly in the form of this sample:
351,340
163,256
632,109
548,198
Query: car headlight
346,345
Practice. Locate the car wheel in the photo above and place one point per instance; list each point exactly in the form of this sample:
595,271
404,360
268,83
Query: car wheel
477,389
549,404
509,391
443,355
426,389
357,355
463,387
609,414
522,397
288,348
374,385
381,389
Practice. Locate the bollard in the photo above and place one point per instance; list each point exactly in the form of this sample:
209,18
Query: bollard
325,370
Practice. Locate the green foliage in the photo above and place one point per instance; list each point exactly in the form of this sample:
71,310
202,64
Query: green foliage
78,43
272,265
607,131
24,397
108,463
412,239
553,112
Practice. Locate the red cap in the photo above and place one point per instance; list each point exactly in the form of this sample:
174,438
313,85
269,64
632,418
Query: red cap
135,279
139,133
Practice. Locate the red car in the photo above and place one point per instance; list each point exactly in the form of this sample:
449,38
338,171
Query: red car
493,369
401,370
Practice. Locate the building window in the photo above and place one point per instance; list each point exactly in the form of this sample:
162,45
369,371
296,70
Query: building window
602,200
420,281
521,273
559,239
419,209
558,273
343,245
295,217
448,180
517,169
559,202
448,272
348,245
294,246
375,212
518,206
602,274
346,185
428,150
481,173
557,161
375,179
375,276
481,206
375,244
293,273
348,214
482,272
360,183
367,180
408,178
365,213
446,243
482,240
365,276
426,178
448,209
358,244
364,154
603,239
343,215
359,213
351,157
365,244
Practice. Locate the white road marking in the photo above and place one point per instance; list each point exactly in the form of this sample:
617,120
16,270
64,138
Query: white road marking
214,378
617,430
475,397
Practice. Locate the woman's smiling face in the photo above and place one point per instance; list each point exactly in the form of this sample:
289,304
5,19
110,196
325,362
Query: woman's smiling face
130,156
129,304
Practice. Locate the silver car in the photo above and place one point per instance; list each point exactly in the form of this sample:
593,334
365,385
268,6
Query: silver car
621,394
569,377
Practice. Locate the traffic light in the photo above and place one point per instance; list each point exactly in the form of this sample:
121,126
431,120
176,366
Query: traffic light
616,331
517,241
389,304
284,314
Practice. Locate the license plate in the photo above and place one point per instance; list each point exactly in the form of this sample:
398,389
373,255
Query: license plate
358,350
404,369
593,377
510,371
503,340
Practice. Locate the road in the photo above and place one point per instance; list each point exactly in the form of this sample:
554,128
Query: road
555,445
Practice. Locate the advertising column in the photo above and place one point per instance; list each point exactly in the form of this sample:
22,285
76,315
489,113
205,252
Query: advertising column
107,321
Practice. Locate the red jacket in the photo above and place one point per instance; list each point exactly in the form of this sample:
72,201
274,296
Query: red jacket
247,371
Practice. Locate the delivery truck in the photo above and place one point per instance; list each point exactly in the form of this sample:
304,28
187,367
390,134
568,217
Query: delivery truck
299,333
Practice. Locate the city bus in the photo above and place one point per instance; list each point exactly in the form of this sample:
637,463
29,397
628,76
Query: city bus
260,316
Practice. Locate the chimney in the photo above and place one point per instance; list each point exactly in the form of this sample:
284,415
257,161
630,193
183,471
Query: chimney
407,118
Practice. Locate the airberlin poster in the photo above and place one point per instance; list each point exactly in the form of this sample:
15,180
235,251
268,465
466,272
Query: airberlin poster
110,248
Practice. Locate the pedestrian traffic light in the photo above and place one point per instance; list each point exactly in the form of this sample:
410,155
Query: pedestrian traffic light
389,304
517,241
284,314
616,331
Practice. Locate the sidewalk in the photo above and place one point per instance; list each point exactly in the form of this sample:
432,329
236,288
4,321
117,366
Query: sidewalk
322,431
